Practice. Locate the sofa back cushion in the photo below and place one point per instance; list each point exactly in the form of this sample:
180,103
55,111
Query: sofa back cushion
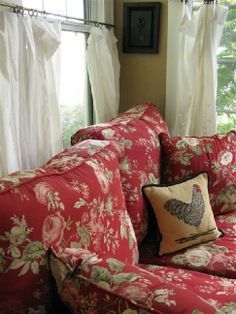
74,200
187,156
137,129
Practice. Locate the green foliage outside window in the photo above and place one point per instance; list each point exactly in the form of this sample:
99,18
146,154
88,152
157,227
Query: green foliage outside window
73,118
226,94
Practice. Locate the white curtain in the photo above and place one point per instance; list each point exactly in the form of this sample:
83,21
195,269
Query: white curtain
104,72
30,130
192,68
102,61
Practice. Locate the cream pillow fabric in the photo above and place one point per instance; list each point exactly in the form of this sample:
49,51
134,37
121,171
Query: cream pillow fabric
183,212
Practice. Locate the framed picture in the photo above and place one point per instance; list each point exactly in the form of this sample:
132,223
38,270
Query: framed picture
141,24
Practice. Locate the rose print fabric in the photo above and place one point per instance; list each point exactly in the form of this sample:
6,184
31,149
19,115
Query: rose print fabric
137,130
216,257
187,156
91,283
75,200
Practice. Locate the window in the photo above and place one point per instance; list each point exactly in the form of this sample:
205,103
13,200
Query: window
226,93
226,62
74,96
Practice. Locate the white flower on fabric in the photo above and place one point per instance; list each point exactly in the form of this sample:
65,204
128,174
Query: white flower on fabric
100,175
42,191
108,133
198,258
191,141
226,158
47,196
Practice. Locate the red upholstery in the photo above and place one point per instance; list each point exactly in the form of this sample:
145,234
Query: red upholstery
184,156
78,201
138,130
91,283
215,257
75,200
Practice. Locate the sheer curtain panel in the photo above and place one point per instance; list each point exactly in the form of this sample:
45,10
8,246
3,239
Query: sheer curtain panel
102,61
104,72
30,130
192,68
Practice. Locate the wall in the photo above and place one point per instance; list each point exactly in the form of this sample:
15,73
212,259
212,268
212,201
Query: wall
142,75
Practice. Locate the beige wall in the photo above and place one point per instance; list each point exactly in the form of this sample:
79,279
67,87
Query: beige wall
142,75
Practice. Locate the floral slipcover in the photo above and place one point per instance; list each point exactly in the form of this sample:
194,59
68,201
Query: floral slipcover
187,156
137,129
215,257
91,283
75,200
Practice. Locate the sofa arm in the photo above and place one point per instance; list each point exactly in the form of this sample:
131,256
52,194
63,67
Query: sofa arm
88,283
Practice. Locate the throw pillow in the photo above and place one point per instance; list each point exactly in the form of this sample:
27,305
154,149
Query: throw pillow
183,213
184,156
137,130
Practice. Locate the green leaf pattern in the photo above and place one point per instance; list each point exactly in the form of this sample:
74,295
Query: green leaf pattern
22,253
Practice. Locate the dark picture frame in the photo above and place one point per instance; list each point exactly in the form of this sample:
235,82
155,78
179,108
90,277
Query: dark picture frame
141,27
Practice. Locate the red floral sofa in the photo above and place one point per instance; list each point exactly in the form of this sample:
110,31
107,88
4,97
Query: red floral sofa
78,235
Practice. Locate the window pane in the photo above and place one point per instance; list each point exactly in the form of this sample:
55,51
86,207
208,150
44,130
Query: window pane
225,122
226,93
55,6
227,47
37,4
73,84
75,8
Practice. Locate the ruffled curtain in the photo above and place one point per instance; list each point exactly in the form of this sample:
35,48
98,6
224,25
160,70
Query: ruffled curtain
192,67
30,130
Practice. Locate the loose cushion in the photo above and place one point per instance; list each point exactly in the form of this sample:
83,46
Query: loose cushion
183,213
92,283
74,200
184,156
137,130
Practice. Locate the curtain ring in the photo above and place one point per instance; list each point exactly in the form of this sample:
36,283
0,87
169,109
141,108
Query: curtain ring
19,10
31,12
36,13
43,14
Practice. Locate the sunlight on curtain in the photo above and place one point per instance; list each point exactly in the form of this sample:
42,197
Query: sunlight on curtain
103,62
29,71
192,69
104,71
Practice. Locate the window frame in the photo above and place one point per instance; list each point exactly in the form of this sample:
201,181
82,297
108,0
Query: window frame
85,29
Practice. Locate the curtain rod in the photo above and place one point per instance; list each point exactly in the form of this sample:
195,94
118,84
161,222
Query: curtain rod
35,12
205,1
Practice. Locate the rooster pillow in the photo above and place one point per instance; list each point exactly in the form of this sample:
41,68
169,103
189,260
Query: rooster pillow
183,212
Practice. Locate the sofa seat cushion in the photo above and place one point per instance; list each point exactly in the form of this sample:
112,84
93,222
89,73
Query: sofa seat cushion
216,257
215,291
187,156
74,200
92,283
138,130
